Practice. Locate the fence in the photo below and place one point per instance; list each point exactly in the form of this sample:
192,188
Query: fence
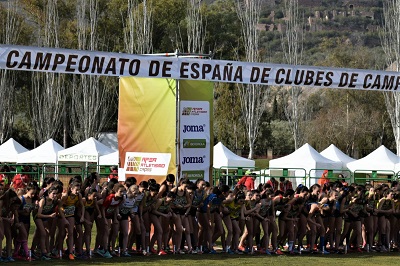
228,175
333,175
374,176
61,172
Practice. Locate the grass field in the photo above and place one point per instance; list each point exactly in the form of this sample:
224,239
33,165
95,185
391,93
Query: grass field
363,259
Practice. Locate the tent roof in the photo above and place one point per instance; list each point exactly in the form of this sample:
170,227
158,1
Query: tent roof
45,153
379,159
86,151
110,139
223,157
334,154
109,159
305,157
9,151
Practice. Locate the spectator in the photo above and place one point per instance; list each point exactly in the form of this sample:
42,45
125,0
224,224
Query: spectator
284,184
247,181
273,183
324,178
22,179
114,172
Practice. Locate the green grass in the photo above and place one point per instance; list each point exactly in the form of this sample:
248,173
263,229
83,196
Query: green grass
350,259
262,163
224,259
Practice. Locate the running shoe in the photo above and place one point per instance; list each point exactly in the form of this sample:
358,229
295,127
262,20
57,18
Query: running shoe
44,257
107,255
267,252
212,251
100,252
181,252
193,251
125,254
153,251
198,251
33,254
9,259
162,253
82,256
278,252
324,252
383,249
230,252
71,257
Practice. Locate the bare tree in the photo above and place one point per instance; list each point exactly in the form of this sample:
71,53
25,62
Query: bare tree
47,101
138,27
91,106
292,45
390,39
195,27
11,29
252,97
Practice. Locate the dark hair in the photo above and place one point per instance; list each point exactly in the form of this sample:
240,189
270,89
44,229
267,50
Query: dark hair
53,188
152,181
239,196
8,198
117,187
184,181
216,191
199,180
224,188
90,192
191,186
113,181
154,187
130,181
47,181
76,178
170,178
144,184
289,192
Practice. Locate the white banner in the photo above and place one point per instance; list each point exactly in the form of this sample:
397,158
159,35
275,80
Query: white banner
78,157
195,139
143,163
14,57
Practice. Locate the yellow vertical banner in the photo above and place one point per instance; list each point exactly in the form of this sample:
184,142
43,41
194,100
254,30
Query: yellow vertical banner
147,127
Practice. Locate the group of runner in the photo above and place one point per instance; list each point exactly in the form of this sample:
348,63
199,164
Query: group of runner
189,217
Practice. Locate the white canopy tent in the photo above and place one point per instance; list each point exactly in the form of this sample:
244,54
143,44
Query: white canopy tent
109,159
224,158
307,158
335,154
45,153
9,151
87,151
379,160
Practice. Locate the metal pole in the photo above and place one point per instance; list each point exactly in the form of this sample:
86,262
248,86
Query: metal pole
178,125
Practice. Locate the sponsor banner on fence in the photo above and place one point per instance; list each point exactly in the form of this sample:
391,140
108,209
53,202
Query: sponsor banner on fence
195,136
142,163
193,175
78,157
27,58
